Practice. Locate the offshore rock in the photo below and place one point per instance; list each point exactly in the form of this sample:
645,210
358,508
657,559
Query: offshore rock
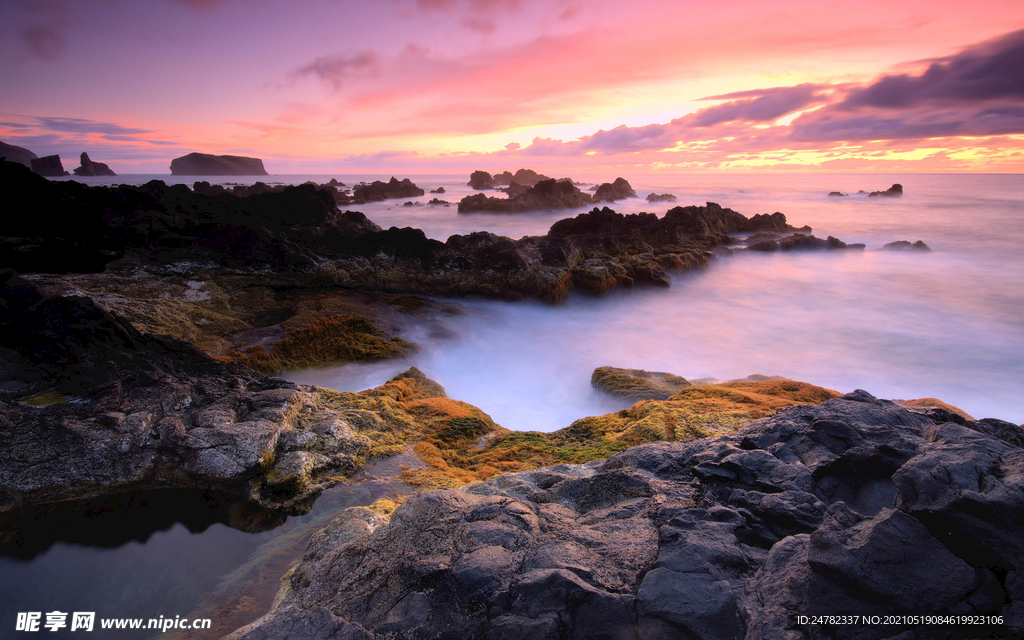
894,191
394,188
504,178
545,194
90,168
480,180
612,191
49,166
660,197
854,506
205,164
906,245
20,155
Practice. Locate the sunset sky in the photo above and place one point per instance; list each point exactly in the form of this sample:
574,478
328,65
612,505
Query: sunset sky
436,86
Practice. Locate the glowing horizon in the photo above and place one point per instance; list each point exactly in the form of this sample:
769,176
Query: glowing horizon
439,86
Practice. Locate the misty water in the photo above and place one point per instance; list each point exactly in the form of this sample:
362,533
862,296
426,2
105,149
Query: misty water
946,324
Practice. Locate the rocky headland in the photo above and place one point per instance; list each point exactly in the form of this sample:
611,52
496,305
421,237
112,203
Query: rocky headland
205,164
20,155
90,168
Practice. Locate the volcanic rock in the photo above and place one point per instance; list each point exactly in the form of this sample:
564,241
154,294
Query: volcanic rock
481,180
90,168
394,188
205,164
17,154
49,166
612,191
895,190
851,507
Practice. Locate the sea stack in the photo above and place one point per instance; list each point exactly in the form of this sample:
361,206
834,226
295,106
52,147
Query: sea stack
204,164
90,168
49,166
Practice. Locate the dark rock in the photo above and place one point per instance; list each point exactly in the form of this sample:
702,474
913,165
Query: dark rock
835,194
17,154
612,191
49,166
660,197
90,168
528,177
205,164
546,194
437,190
894,191
481,180
906,245
726,537
504,178
394,188
438,201
797,241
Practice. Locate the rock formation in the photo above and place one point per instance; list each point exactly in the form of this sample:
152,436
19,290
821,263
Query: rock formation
546,194
660,197
204,164
637,384
49,166
394,188
906,245
504,178
17,154
769,241
437,190
612,191
481,180
90,168
837,194
895,190
525,177
851,507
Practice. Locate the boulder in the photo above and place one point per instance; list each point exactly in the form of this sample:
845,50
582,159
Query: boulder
205,164
49,166
637,384
17,154
90,168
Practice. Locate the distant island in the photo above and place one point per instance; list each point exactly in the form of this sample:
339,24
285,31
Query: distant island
204,164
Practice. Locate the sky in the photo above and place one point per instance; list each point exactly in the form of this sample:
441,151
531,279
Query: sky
563,86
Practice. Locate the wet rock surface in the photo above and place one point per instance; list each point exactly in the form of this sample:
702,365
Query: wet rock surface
853,506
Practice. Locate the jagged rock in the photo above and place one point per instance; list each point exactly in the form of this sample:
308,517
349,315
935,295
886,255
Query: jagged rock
894,191
438,201
528,177
797,241
205,164
545,194
854,506
394,188
660,197
906,245
612,191
90,168
481,180
17,154
637,384
49,166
